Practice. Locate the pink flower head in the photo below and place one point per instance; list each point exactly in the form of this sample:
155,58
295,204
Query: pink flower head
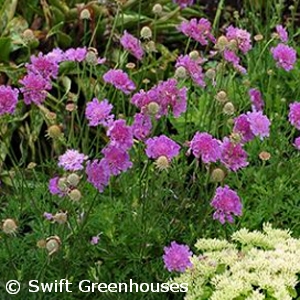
48,216
242,37
285,56
232,57
294,114
95,240
184,3
141,126
76,54
297,143
256,100
204,145
56,55
242,127
35,88
282,33
8,99
43,65
199,30
117,159
54,188
233,156
259,124
98,174
177,257
161,146
98,113
227,203
120,134
132,45
193,68
72,160
120,80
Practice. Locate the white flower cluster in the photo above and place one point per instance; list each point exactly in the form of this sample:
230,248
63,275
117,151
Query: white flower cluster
254,266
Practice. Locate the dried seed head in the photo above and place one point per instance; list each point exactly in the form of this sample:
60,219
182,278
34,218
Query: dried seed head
222,43
60,218
130,65
41,243
150,46
194,55
233,45
157,9
217,175
235,137
85,14
221,97
71,107
210,73
228,109
264,155
146,33
62,184
31,165
53,244
180,73
54,132
153,108
91,58
162,163
28,36
75,195
73,179
9,226
258,37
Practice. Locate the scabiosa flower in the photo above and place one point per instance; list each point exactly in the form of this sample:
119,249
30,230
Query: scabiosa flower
117,159
95,240
256,100
259,124
193,68
54,187
120,80
294,114
231,57
204,145
72,160
199,30
120,134
76,54
141,126
242,127
297,143
48,216
56,55
227,203
233,156
242,37
177,257
184,3
8,99
35,88
282,33
132,45
98,174
285,56
98,113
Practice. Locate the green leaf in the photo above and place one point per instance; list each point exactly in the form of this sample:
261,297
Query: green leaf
5,46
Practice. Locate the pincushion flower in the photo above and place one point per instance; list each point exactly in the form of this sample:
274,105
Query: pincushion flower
242,127
184,3
259,124
76,54
132,45
72,160
205,146
227,203
54,188
98,174
297,143
120,80
241,36
120,134
8,99
233,156
177,257
294,114
282,33
141,126
285,56
256,99
98,113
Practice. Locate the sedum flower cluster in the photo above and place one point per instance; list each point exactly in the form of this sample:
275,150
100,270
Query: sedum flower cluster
253,266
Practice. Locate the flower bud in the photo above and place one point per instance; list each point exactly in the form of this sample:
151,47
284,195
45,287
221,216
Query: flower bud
146,33
85,14
54,132
157,9
62,184
75,195
162,163
28,36
73,179
180,73
222,43
258,37
194,55
9,226
221,97
228,109
210,73
217,175
53,244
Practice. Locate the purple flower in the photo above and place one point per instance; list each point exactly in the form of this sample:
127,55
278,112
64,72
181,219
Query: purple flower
233,156
204,145
227,203
294,114
54,188
193,68
76,54
259,124
242,37
35,88
242,127
184,3
231,57
141,126
95,240
99,112
117,159
177,257
297,143
256,100
72,160
8,99
98,174
161,146
285,56
120,134
48,216
198,30
43,65
120,80
282,33
132,45
56,55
